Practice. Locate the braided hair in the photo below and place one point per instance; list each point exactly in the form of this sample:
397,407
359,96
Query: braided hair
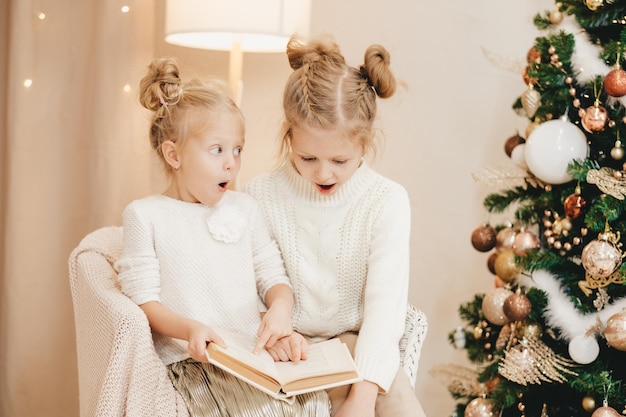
324,92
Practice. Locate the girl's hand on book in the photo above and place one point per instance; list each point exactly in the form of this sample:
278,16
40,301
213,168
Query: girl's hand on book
290,348
199,336
275,324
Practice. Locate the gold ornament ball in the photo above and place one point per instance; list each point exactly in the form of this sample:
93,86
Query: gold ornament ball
589,404
492,306
605,411
615,331
505,265
615,82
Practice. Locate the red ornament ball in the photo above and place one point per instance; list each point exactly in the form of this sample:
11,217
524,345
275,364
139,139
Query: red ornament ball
615,82
574,205
484,238
516,307
615,331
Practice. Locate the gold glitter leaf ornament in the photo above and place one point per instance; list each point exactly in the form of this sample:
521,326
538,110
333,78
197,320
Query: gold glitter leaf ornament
605,179
533,362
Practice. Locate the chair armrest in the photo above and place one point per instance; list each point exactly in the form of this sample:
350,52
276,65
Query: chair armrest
119,370
411,342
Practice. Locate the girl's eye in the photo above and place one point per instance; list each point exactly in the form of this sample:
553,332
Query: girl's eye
237,151
340,162
308,159
216,150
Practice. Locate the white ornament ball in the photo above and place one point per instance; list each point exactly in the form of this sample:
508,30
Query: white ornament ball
518,156
551,147
583,349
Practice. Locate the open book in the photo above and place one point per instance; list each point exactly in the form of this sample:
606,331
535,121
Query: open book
328,364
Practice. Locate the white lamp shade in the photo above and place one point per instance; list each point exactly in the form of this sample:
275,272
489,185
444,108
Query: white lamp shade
254,25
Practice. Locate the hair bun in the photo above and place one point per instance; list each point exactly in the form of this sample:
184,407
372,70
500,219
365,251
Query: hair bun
322,49
377,69
161,85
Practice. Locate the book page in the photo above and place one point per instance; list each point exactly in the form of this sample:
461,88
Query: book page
325,358
240,347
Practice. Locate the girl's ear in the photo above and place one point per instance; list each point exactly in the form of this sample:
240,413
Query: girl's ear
170,153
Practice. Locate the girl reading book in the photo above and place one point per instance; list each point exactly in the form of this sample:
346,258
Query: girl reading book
199,256
342,228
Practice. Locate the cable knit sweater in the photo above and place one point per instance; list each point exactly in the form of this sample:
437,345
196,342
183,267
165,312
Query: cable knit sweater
210,264
347,256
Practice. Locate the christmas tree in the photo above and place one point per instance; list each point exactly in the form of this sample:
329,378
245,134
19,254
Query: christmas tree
549,338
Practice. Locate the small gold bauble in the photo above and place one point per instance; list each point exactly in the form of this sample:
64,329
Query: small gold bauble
617,153
556,17
589,404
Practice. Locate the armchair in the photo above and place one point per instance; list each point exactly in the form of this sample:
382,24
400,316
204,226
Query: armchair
119,371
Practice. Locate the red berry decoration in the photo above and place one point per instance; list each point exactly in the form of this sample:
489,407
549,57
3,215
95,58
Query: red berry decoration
484,238
615,82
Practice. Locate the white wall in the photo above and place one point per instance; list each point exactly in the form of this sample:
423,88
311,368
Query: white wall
451,121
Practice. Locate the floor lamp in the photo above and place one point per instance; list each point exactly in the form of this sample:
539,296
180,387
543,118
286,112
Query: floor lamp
236,26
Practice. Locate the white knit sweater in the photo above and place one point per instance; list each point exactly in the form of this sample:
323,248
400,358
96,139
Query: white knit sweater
347,256
210,264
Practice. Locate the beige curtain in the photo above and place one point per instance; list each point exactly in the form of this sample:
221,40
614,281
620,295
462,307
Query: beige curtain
73,152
